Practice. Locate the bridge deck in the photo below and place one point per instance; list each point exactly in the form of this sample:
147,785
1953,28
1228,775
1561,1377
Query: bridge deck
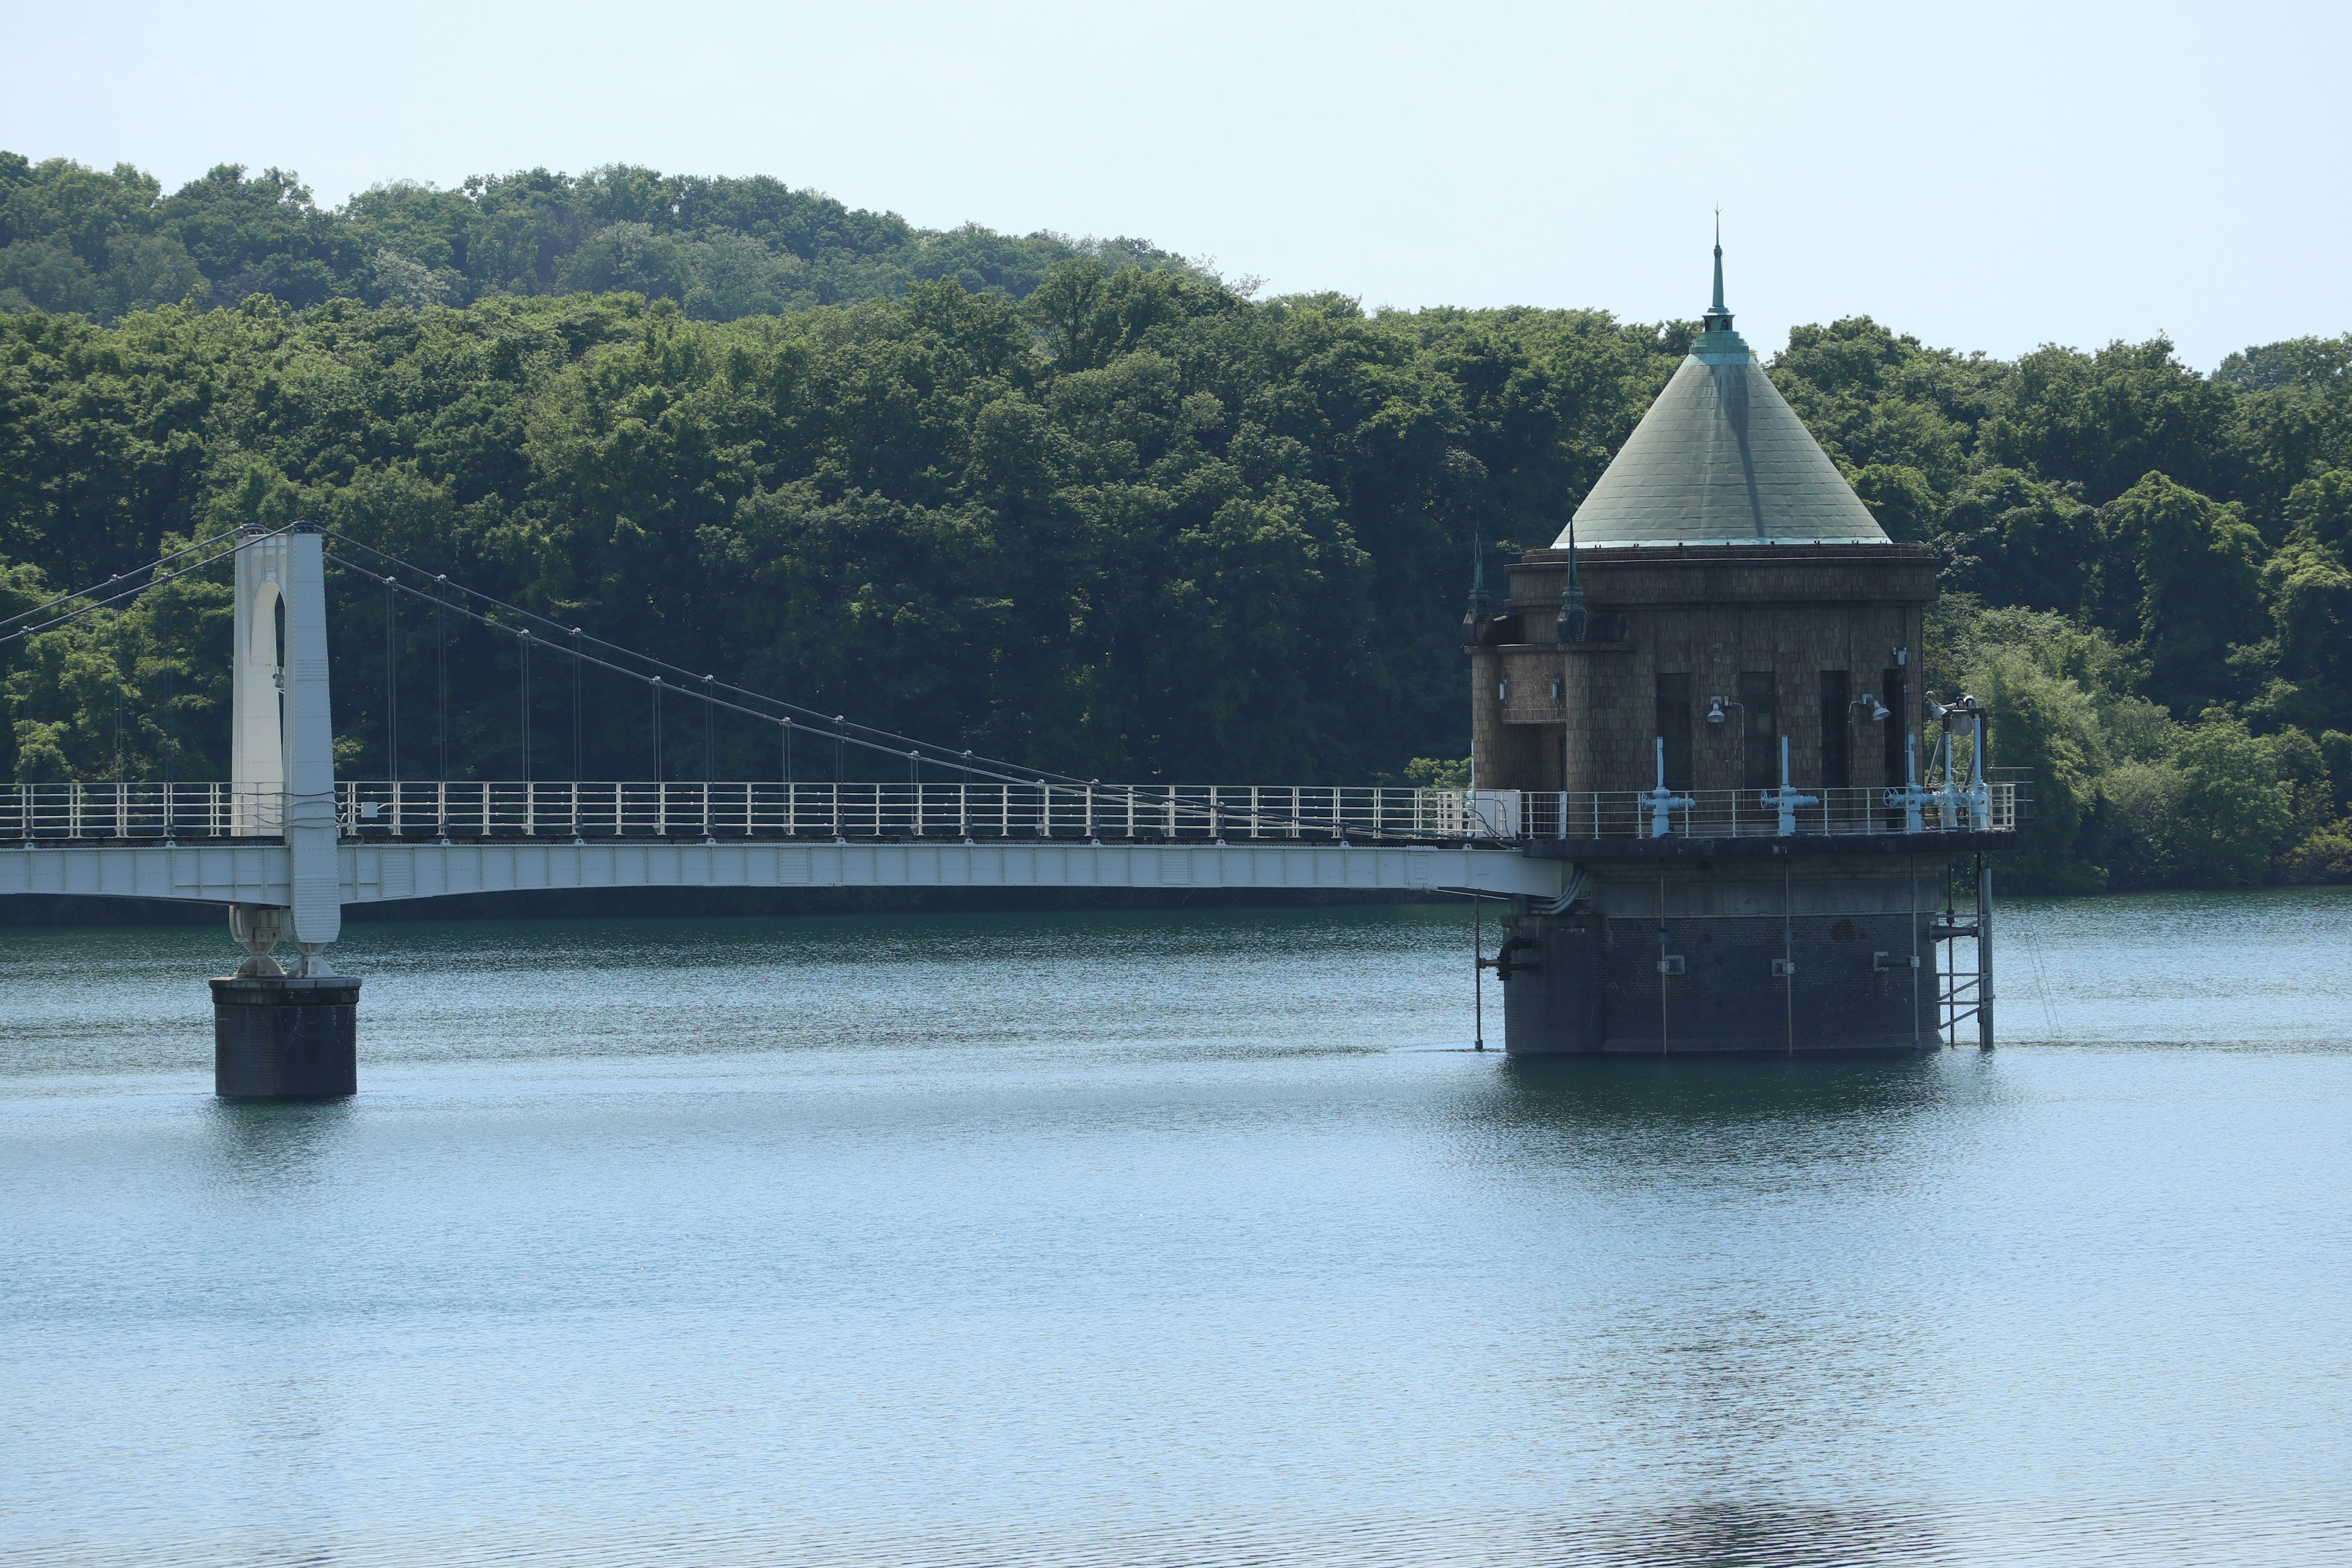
372,873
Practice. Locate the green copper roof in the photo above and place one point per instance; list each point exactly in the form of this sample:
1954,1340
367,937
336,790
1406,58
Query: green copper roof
1721,458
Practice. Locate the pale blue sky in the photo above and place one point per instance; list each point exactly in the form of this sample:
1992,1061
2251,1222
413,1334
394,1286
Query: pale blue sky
1987,176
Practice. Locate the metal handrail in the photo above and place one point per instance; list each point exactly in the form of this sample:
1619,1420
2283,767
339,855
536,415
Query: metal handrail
132,810
1754,814
119,812
725,810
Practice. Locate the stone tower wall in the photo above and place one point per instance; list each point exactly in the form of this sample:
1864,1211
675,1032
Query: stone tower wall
1584,717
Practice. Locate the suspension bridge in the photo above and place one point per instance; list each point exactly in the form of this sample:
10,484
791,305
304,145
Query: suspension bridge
285,846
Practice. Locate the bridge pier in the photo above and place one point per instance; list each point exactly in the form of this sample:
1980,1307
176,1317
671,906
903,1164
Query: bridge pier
277,1036
285,1036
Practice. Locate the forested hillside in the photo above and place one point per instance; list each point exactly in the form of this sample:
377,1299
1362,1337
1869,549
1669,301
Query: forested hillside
1132,524
104,243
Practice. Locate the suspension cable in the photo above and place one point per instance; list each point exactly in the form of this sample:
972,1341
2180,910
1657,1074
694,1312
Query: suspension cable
519,620
887,741
131,592
704,688
999,772
118,576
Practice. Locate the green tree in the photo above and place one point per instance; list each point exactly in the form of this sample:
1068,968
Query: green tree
2196,566
2048,724
77,240
2106,420
2234,810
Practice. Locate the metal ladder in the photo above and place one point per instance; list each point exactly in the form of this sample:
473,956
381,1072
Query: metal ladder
1962,994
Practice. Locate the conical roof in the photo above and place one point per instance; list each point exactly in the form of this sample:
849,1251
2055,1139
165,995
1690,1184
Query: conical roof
1721,458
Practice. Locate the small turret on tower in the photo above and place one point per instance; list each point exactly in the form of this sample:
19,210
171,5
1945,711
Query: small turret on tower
1481,607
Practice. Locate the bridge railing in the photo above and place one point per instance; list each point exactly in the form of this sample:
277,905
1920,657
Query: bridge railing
46,812
1757,813
153,811
884,810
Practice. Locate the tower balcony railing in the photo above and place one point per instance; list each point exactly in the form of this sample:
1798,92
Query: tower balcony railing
1761,814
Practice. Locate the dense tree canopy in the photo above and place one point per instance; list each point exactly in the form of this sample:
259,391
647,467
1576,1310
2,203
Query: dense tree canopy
1134,527
105,243
1113,519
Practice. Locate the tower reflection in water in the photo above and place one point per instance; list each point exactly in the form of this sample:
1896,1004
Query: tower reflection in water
1734,1260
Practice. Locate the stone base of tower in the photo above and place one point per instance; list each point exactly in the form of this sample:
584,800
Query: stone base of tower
1690,954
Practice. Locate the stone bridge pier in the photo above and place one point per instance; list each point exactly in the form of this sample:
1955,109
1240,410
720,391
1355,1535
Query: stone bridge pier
281,1031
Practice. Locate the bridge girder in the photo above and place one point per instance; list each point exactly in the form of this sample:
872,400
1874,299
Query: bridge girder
264,874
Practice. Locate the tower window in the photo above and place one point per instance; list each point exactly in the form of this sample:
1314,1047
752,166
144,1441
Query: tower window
1895,693
1674,729
1762,727
1837,727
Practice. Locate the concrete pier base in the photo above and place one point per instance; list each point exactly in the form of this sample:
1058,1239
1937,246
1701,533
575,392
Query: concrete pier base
1731,949
285,1037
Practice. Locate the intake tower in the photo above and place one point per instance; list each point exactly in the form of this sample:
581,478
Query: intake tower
1705,696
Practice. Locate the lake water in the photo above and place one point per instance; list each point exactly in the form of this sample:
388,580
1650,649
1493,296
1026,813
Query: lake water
1187,1238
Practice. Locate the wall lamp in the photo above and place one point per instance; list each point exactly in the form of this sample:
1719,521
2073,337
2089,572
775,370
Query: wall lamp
1879,712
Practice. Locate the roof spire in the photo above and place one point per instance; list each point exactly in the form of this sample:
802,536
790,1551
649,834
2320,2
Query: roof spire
1480,607
1718,320
1574,619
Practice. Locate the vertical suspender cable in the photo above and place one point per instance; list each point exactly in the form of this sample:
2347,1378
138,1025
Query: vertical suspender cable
575,705
840,751
785,729
710,730
658,745
441,672
523,669
391,679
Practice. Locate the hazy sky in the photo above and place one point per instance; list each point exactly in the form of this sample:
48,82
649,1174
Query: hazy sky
1987,176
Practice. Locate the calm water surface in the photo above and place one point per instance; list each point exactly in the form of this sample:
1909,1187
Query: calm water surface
1170,1238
